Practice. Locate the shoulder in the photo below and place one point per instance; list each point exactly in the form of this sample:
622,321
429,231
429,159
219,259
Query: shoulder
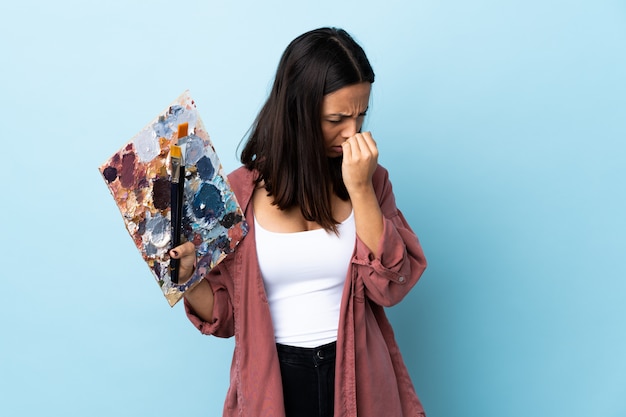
241,176
242,182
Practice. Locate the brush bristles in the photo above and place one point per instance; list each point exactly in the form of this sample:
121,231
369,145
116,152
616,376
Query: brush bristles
182,130
175,151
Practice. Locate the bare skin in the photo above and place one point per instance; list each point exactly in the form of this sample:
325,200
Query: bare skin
342,117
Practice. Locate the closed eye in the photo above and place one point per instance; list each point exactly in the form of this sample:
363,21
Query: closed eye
341,118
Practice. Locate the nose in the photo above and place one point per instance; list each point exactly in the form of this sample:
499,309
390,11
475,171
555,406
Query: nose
351,128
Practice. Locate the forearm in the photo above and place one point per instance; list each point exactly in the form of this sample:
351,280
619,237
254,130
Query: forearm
200,299
368,218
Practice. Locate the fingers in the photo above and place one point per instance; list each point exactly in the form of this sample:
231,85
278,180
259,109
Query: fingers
187,255
360,158
186,249
361,146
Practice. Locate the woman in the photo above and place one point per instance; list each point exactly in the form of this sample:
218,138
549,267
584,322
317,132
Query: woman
304,292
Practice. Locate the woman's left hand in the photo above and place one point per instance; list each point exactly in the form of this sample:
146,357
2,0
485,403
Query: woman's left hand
360,158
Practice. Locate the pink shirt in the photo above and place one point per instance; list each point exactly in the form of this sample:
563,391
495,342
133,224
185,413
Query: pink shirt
371,377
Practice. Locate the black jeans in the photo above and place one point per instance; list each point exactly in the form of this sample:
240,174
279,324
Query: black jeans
308,380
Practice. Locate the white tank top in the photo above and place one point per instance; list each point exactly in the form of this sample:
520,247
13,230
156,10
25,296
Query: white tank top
304,275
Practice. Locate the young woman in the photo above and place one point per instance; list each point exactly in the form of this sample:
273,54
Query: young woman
327,249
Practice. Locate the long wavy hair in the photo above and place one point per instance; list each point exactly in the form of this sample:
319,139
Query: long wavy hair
286,144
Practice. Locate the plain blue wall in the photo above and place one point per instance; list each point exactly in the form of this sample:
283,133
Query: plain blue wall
503,125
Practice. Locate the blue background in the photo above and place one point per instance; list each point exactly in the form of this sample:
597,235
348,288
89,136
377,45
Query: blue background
503,124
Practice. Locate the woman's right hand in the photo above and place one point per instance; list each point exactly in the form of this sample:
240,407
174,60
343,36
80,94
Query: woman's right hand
187,255
200,296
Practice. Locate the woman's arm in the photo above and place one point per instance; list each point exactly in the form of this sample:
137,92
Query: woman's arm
389,259
360,159
199,297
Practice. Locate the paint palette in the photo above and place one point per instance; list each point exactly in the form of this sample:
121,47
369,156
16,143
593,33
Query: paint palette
139,178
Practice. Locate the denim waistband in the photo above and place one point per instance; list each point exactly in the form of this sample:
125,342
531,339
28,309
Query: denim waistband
307,356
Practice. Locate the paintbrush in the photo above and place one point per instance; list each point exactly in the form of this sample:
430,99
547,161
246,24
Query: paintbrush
177,195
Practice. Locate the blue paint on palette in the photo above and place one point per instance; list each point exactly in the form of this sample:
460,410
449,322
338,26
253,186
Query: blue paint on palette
205,168
208,203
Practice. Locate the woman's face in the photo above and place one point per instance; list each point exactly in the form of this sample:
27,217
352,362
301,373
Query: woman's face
343,112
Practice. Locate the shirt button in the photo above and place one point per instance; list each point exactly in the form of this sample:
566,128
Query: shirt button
401,279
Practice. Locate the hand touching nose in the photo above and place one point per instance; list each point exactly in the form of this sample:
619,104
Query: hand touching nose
360,158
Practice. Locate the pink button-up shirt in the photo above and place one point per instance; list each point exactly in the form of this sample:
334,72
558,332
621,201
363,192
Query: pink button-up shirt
371,379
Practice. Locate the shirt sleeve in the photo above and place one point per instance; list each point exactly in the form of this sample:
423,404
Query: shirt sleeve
388,278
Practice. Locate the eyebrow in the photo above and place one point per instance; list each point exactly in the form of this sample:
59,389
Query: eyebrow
346,115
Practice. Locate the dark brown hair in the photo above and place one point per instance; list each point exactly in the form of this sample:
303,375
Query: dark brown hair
286,143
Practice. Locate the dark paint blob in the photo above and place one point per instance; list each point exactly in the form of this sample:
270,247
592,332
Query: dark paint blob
230,219
223,243
161,193
143,183
110,174
127,174
205,168
141,227
207,203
